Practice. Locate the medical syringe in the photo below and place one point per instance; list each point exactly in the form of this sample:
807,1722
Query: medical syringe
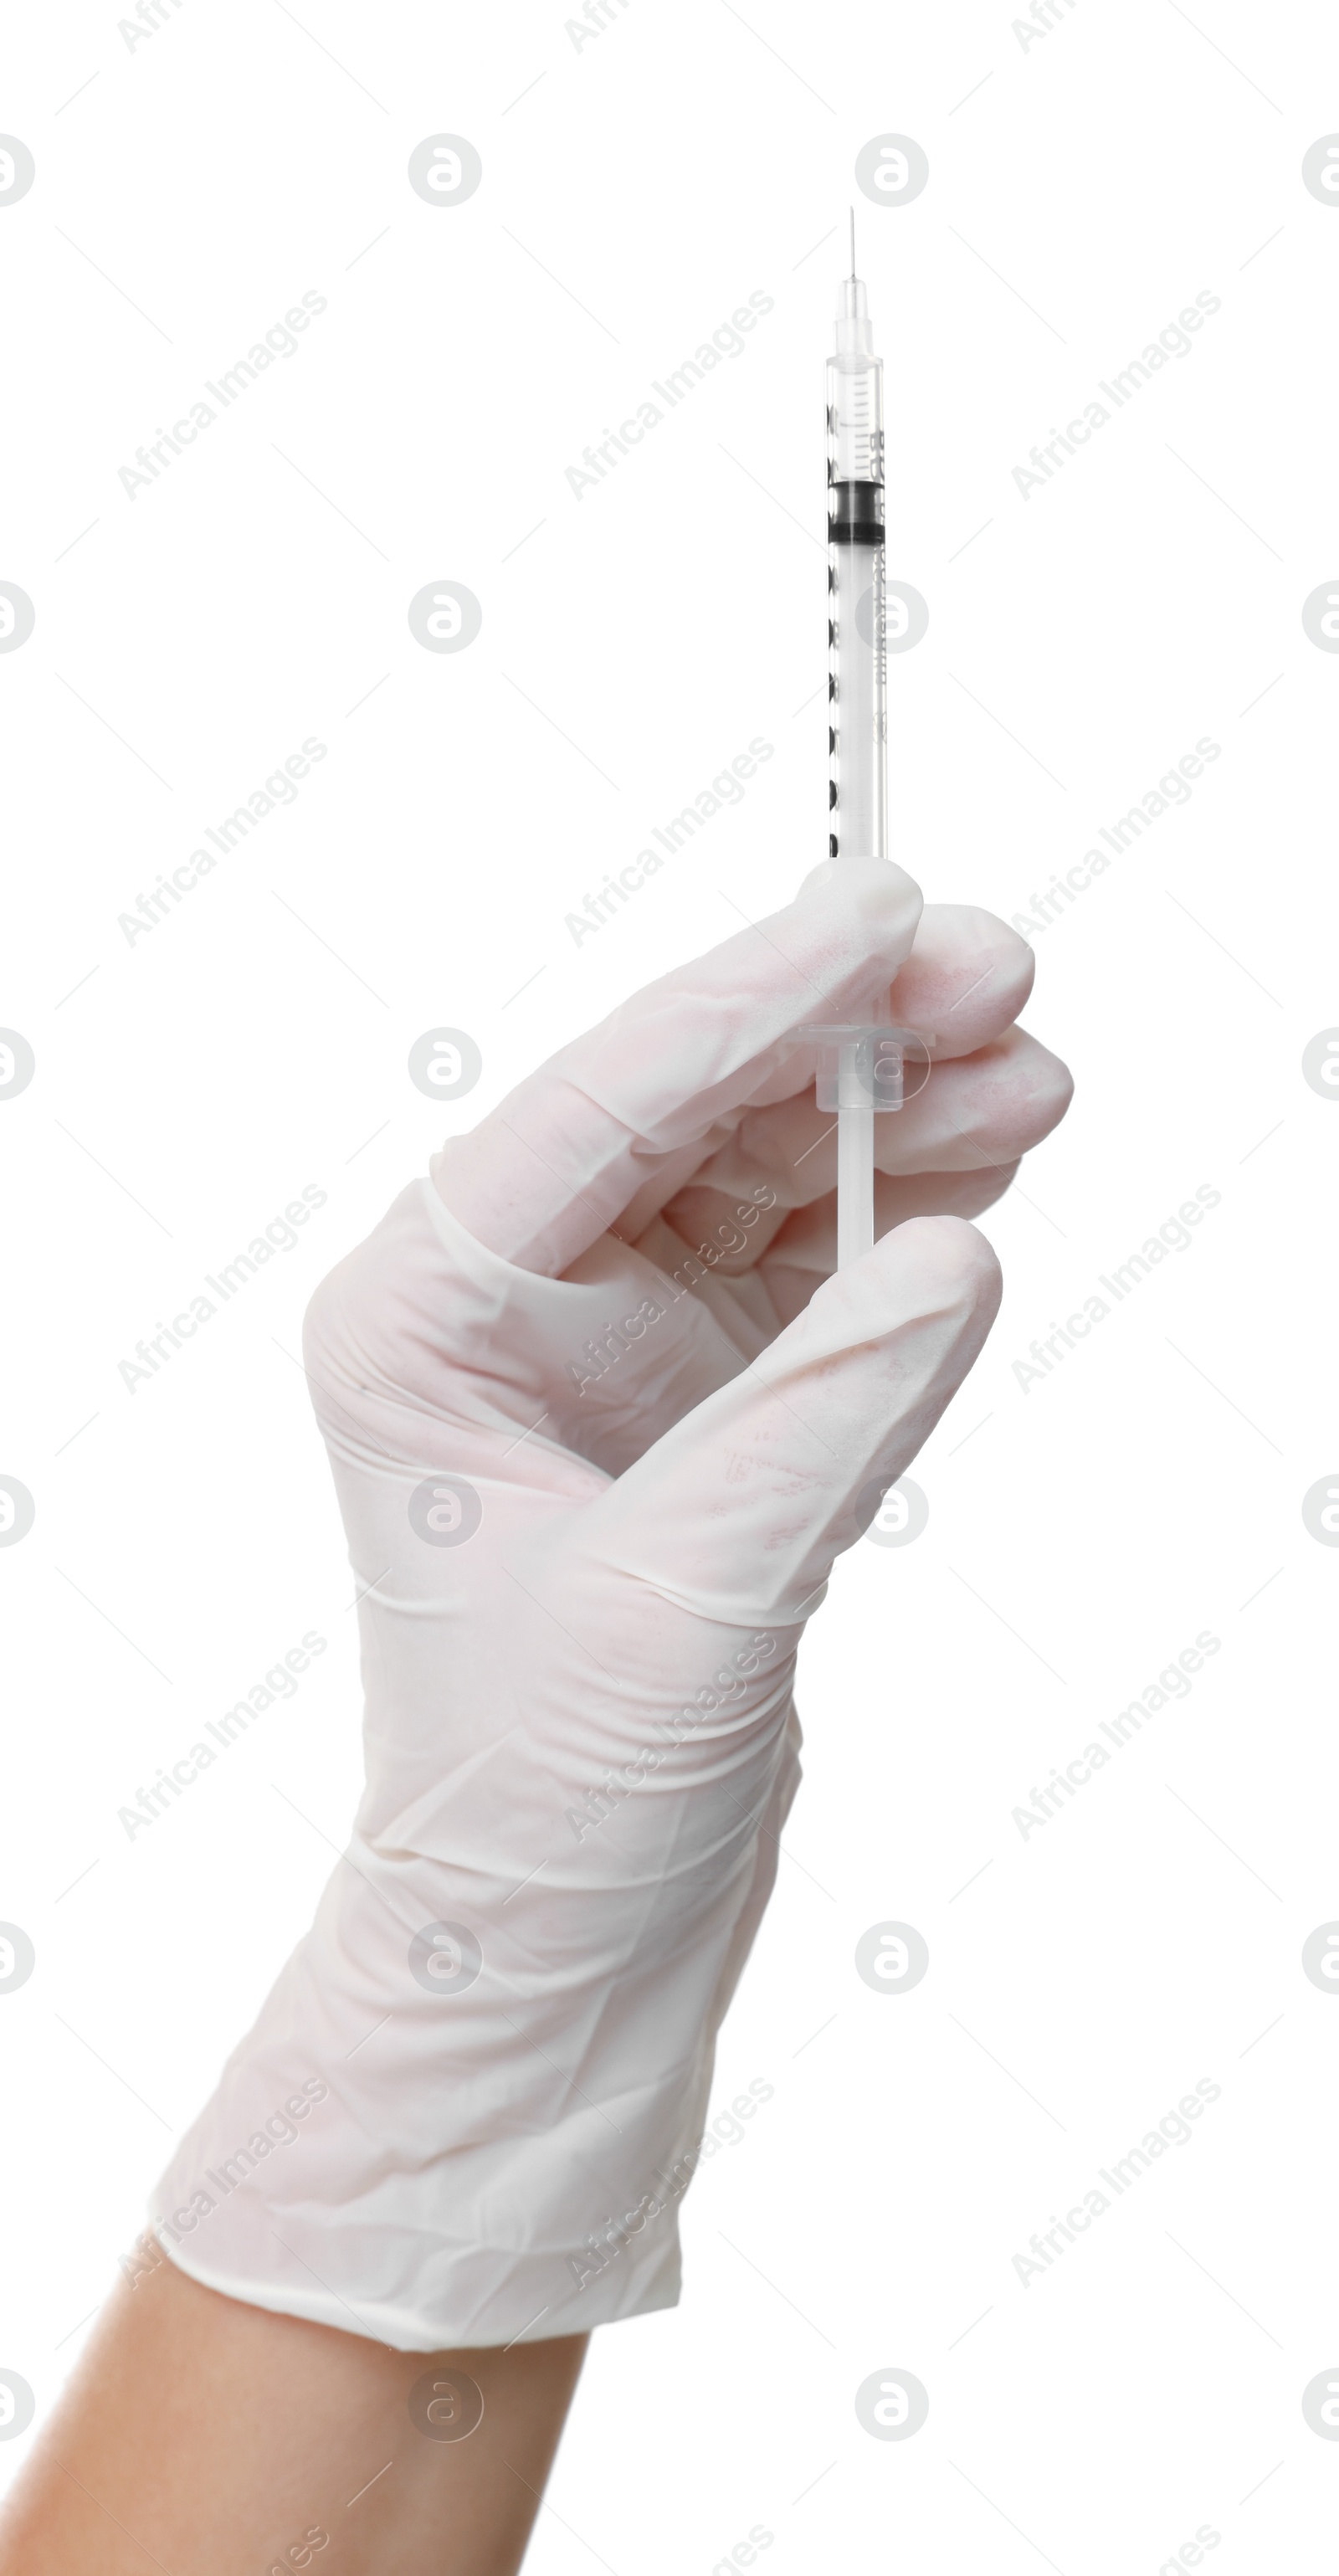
857,648
861,1064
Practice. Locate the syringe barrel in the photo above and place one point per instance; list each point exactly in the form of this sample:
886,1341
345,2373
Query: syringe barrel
857,670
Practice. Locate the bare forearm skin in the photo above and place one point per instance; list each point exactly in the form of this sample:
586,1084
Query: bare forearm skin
209,2438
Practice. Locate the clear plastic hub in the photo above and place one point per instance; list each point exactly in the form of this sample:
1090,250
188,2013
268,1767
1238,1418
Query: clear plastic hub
866,1064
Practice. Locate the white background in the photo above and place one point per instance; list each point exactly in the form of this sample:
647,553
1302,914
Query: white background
1083,189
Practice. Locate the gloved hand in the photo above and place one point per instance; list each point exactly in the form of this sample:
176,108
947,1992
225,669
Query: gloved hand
599,1421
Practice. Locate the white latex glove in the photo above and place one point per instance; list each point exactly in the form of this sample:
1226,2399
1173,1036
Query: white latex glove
593,1487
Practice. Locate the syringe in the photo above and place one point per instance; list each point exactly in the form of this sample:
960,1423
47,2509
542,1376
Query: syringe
858,661
861,1064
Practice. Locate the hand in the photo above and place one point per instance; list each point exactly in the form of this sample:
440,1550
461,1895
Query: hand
600,1420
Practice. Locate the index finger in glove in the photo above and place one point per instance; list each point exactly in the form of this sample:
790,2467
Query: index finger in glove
546,1173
